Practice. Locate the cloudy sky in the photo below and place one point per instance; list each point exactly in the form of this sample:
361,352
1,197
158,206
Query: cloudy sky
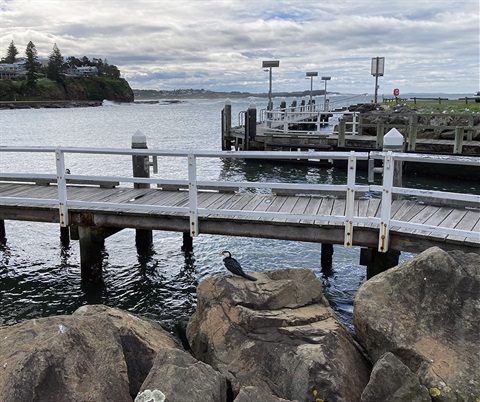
219,45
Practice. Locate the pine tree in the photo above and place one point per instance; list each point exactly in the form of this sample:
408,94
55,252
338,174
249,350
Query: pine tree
55,64
11,53
32,63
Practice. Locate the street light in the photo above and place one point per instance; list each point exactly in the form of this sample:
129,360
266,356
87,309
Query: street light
269,64
311,74
325,94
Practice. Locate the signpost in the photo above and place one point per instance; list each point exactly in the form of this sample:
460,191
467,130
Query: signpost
378,67
396,92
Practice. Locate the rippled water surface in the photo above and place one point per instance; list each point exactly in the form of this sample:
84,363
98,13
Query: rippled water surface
39,277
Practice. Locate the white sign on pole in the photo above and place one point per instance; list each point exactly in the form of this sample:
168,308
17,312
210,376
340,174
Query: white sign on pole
378,66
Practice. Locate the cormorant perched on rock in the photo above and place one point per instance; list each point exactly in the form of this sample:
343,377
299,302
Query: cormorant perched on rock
234,266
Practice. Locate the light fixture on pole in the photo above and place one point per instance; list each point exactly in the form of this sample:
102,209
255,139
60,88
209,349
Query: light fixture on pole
269,64
325,94
311,74
378,67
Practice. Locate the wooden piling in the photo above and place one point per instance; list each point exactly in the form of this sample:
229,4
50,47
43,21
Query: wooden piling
92,245
187,245
3,233
326,257
377,261
250,125
65,236
141,168
380,134
226,126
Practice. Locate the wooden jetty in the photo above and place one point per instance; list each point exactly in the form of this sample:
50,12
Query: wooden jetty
301,128
378,218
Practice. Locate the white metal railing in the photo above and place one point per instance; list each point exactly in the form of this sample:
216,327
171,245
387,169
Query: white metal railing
384,223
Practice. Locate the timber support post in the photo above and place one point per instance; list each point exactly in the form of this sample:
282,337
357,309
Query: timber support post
226,126
3,233
376,261
141,168
251,125
187,245
64,236
92,244
326,257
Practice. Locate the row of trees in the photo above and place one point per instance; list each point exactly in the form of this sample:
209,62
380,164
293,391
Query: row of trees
57,65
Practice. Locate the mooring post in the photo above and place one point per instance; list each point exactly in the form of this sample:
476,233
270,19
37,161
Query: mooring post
326,257
226,126
141,168
92,244
457,147
250,125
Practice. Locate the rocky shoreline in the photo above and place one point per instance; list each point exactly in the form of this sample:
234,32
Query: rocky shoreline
49,104
276,339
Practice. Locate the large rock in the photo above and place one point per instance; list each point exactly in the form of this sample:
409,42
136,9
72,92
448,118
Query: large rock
179,377
392,381
141,340
96,354
62,359
277,334
426,312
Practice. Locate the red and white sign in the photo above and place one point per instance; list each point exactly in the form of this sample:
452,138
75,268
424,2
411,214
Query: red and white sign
396,92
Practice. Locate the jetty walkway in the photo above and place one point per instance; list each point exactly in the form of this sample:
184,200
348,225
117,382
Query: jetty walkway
306,127
384,219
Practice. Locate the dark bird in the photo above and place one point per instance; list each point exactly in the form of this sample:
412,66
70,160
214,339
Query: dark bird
234,266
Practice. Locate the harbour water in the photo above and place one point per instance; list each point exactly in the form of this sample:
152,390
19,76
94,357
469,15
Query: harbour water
39,277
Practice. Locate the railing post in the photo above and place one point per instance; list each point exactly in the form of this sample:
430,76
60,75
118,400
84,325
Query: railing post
341,133
458,146
386,203
285,121
380,134
350,199
192,194
62,187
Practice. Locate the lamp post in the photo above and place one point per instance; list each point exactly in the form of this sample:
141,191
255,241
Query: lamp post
269,64
325,94
311,74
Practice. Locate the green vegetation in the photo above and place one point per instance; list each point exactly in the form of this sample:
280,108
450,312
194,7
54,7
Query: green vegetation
447,107
45,89
51,82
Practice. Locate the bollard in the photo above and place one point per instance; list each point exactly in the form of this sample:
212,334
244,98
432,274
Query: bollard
226,126
141,168
394,141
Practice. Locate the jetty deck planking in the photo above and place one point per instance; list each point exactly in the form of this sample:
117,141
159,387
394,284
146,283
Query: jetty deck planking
402,210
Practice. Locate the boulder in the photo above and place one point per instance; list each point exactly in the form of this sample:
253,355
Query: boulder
179,377
277,334
62,359
140,338
96,354
392,381
255,394
426,313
